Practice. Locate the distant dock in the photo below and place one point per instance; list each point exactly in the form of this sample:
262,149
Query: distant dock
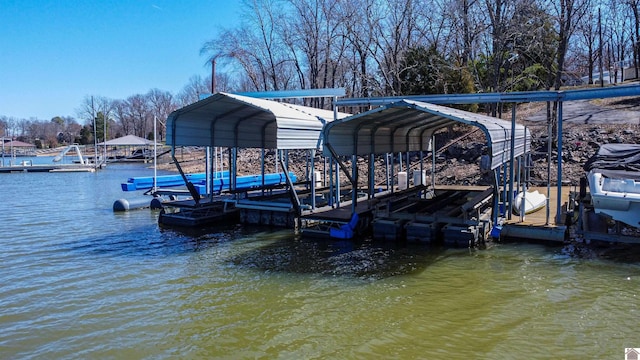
56,166
47,168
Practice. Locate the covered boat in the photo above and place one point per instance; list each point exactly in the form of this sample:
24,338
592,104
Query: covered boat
614,182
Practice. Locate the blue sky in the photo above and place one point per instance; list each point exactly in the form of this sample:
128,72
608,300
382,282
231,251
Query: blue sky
53,53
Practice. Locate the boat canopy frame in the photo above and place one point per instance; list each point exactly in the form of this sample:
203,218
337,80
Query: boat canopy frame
237,121
558,96
407,125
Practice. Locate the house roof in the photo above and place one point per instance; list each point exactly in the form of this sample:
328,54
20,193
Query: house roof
128,140
408,125
230,120
16,143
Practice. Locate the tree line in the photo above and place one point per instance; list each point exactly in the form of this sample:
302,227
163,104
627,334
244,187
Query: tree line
131,116
383,48
398,47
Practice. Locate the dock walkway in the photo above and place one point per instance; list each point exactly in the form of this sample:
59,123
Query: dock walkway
536,226
47,168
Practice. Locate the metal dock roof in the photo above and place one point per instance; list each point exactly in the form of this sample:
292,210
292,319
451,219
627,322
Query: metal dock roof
229,120
407,125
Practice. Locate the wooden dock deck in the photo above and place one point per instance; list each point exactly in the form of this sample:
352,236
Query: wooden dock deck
537,226
318,222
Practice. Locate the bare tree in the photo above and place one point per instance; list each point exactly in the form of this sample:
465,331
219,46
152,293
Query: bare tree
12,124
498,12
395,35
162,105
192,91
568,13
360,18
436,23
140,112
587,31
125,120
258,46
89,109
633,6
4,126
469,32
618,24
314,37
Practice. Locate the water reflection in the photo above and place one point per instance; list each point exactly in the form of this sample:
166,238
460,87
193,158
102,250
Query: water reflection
150,241
81,282
266,250
363,259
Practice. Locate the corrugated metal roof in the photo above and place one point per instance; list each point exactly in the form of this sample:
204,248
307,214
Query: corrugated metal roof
408,125
230,120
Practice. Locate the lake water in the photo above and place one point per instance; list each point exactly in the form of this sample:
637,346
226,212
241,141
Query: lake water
79,281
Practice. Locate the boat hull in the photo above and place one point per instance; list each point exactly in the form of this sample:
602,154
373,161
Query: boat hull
616,198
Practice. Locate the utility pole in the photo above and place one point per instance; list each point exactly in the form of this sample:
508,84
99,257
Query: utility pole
600,47
105,117
213,75
95,135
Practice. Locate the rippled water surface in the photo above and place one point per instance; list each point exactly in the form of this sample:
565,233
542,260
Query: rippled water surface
79,281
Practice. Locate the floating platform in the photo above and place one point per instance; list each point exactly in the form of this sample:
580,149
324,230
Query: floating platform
146,182
536,226
422,232
264,205
187,213
47,168
451,215
330,221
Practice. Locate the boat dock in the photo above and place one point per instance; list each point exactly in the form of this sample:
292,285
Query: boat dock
452,215
189,213
56,166
399,134
457,216
47,168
